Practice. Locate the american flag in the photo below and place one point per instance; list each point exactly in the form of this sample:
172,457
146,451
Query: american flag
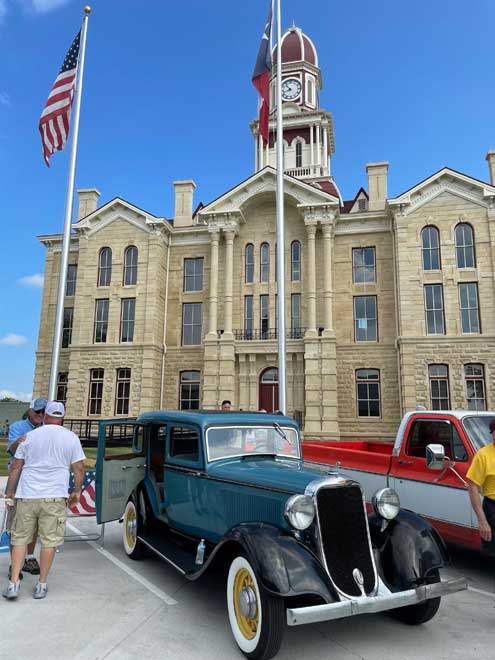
54,121
87,503
261,78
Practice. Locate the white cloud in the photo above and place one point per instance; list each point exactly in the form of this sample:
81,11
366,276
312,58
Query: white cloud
20,396
13,340
44,6
5,99
34,281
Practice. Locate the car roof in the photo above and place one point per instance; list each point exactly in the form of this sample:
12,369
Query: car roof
460,414
206,418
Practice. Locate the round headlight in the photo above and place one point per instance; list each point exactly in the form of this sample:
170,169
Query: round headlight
300,511
386,503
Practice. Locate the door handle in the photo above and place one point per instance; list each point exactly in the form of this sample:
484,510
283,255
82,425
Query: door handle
127,467
403,462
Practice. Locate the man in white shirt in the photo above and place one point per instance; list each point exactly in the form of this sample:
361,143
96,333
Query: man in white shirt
41,472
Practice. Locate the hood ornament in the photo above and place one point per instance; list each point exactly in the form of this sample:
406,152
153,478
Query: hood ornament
359,580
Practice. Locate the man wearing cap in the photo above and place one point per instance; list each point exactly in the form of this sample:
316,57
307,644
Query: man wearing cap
481,480
39,480
17,434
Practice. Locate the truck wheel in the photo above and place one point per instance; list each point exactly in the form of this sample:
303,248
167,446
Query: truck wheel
132,546
257,618
414,615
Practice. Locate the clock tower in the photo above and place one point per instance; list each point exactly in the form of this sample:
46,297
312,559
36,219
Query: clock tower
308,130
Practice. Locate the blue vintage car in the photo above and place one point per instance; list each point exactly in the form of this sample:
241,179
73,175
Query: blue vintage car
231,490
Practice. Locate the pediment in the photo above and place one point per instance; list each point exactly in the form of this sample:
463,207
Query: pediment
264,183
118,210
444,181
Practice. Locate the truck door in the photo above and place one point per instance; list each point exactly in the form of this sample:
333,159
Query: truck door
439,496
120,467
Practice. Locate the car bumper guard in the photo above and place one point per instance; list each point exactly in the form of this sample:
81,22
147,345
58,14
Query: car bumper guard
368,604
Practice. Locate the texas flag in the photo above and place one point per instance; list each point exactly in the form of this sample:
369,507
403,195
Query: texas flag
261,77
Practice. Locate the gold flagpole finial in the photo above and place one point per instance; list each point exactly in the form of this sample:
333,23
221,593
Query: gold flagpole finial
87,9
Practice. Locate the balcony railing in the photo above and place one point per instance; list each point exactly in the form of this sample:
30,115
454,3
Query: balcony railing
265,335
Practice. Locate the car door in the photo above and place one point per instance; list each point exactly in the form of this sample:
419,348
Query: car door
120,467
439,496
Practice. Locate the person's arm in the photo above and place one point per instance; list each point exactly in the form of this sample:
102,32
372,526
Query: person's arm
12,448
14,474
475,497
78,469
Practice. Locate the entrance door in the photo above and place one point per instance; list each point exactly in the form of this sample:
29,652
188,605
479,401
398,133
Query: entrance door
269,390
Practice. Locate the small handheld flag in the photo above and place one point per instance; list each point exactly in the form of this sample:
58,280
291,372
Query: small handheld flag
54,121
261,77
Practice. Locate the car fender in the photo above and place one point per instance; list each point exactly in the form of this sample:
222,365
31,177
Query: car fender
283,564
410,549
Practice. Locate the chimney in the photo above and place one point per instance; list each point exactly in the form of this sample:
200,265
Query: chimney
490,157
184,191
377,185
88,202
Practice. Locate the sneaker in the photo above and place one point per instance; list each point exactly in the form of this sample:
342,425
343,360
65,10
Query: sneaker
10,573
31,566
12,590
40,591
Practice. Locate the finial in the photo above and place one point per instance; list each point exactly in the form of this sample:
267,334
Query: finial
87,10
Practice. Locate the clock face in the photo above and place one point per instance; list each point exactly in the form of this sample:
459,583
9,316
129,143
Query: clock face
291,89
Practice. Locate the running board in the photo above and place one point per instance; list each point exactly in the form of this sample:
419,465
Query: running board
181,559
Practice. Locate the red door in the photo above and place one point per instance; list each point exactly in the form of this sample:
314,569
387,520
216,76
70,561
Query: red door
269,390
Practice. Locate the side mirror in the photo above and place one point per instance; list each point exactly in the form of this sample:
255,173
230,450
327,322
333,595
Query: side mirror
435,457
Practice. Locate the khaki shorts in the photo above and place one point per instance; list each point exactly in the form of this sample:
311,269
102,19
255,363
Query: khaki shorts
47,514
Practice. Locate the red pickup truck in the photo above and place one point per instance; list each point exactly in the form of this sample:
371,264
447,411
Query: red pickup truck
436,490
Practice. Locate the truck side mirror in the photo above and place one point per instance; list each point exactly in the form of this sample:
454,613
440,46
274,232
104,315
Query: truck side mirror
435,457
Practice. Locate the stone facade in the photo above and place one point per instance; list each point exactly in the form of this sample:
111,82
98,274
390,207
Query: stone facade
326,352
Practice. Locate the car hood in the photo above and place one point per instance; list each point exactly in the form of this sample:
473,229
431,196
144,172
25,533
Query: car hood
288,475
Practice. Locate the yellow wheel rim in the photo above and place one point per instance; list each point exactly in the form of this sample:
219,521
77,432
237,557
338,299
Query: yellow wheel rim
130,527
247,626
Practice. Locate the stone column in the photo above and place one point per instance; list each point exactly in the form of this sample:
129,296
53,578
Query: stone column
318,147
325,150
311,133
212,327
327,276
229,276
311,231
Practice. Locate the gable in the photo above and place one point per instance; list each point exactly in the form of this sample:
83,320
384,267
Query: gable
118,210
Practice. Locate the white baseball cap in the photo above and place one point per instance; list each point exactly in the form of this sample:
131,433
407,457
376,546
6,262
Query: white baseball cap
55,409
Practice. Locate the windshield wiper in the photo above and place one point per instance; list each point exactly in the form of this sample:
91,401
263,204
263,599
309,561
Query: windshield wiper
280,431
259,455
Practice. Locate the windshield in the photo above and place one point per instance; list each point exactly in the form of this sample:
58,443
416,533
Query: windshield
225,441
477,430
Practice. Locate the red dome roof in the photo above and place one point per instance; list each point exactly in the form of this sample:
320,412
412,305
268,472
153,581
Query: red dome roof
297,47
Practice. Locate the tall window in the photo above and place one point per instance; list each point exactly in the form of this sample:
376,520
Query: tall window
264,262
130,265
439,386
298,154
264,316
468,302
295,256
296,316
189,390
127,318
101,321
95,391
70,285
464,246
122,391
62,382
67,328
105,267
430,239
475,386
365,318
368,392
249,274
363,265
435,320
191,324
248,317
193,274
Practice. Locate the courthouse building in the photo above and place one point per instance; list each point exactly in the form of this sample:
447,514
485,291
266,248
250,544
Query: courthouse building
390,302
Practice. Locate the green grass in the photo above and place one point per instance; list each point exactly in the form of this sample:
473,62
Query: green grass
4,457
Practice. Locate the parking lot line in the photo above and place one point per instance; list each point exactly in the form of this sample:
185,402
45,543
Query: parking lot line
135,576
482,592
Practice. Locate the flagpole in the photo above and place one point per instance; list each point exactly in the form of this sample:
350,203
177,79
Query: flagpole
282,380
69,200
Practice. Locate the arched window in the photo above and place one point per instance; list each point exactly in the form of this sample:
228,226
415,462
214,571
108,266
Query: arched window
130,265
464,246
298,154
249,265
105,267
264,262
475,386
430,239
189,390
295,255
439,386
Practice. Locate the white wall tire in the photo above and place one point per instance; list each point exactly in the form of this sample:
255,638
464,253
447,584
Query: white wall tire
133,548
258,635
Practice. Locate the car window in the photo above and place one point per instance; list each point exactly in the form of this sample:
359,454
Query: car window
477,428
184,444
429,432
223,442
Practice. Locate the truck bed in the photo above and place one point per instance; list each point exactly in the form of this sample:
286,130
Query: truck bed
358,454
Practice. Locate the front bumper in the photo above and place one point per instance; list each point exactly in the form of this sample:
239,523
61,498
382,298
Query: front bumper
366,605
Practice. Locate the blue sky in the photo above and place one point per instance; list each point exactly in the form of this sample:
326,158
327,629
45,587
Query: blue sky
167,95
